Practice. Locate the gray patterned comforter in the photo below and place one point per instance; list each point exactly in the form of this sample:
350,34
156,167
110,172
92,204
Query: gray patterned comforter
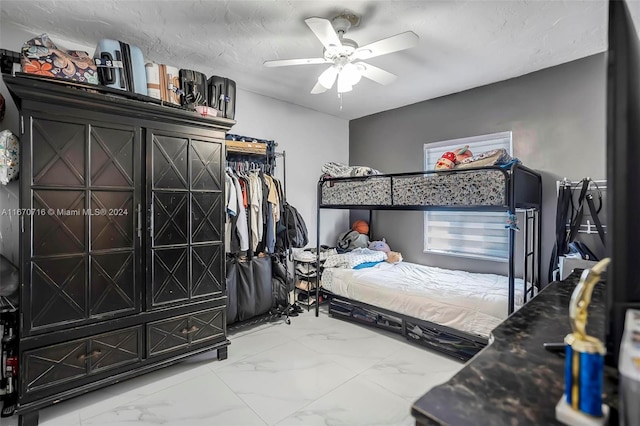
473,188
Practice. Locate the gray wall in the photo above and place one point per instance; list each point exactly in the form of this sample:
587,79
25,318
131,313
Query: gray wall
557,116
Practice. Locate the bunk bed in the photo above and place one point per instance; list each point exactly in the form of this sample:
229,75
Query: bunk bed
492,188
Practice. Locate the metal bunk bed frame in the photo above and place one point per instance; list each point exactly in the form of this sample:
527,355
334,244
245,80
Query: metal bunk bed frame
522,192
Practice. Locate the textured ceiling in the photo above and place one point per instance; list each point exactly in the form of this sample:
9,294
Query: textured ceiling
463,44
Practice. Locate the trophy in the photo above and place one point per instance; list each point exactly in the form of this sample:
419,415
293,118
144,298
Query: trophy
581,403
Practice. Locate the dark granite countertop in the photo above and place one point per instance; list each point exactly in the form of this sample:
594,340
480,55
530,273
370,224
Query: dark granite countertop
514,380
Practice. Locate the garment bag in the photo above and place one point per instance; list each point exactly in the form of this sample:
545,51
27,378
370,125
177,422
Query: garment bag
262,284
254,292
246,289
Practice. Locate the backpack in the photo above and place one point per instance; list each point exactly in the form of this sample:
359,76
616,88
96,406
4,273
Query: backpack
352,239
295,234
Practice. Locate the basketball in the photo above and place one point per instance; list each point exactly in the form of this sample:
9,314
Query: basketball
361,226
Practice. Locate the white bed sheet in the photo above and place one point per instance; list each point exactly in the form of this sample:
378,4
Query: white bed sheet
470,302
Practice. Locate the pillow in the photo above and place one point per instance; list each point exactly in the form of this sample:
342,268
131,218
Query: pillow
40,56
488,158
9,157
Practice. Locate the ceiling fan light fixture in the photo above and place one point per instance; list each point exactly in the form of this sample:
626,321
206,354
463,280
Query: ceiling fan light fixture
344,85
351,73
328,77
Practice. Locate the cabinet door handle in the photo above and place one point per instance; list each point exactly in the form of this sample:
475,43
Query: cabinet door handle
193,329
151,219
93,354
139,222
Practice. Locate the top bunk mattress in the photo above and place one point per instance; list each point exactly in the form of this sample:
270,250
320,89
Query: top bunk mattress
485,187
469,302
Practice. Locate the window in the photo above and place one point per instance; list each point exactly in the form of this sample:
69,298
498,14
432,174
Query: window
468,234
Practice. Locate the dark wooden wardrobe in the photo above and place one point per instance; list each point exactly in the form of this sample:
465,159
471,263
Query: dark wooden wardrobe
122,256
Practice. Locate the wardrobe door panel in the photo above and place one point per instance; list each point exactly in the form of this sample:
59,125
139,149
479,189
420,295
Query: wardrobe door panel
112,284
186,218
170,162
113,156
170,218
58,292
206,161
60,148
207,271
206,217
112,217
61,230
114,193
169,279
81,249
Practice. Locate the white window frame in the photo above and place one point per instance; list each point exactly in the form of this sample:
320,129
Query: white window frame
452,144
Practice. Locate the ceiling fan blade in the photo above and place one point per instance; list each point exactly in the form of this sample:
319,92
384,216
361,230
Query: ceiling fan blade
318,88
288,62
376,74
391,44
323,29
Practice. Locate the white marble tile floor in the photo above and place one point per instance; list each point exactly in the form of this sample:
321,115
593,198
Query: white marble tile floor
316,371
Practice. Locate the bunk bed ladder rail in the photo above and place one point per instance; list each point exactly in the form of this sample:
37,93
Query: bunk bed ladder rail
319,203
530,259
510,192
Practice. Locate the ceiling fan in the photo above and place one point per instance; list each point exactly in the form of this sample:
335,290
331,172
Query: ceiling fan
345,56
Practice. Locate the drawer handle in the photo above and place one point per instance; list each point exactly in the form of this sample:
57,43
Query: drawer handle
93,354
193,329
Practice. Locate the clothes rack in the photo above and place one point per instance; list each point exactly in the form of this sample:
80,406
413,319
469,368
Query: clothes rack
595,187
237,159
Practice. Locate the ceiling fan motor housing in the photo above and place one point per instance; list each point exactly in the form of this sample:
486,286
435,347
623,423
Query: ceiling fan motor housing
344,21
335,53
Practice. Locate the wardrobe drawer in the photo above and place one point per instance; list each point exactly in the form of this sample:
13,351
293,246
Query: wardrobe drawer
67,362
181,332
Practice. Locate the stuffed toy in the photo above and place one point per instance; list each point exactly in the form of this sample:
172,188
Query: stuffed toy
394,257
449,159
462,154
379,246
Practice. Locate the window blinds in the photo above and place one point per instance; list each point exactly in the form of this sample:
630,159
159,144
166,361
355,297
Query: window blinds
469,234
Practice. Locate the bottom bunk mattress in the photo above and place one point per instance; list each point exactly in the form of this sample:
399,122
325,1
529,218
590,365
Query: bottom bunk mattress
469,302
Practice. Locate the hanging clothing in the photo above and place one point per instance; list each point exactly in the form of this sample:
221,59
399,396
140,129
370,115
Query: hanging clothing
242,228
255,210
272,202
253,207
231,216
